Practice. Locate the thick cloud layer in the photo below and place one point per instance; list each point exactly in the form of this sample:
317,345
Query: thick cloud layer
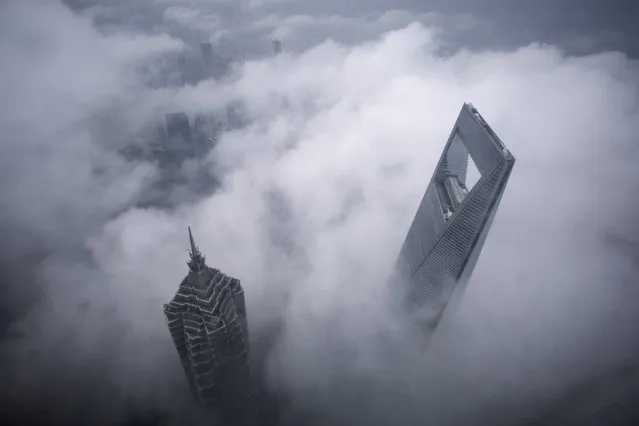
316,195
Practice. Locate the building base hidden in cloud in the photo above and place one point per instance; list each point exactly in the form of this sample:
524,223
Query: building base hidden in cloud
453,219
207,321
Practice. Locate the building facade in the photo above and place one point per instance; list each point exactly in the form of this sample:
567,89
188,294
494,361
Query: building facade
453,219
207,322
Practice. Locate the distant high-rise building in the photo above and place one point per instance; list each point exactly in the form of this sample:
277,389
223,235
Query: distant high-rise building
177,126
176,144
277,46
182,69
206,130
213,63
207,321
235,118
452,221
208,62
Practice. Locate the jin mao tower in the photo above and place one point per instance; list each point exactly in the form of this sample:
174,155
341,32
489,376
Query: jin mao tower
207,321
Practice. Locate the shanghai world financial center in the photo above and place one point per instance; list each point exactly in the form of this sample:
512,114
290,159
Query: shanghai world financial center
207,318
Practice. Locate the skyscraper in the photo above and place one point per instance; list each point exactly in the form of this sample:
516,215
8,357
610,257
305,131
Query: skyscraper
177,143
208,62
212,63
207,321
452,221
182,69
277,46
178,129
206,50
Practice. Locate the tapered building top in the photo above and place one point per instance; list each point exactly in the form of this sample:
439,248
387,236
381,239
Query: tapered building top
197,262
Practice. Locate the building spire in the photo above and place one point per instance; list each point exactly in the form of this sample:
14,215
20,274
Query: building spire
196,262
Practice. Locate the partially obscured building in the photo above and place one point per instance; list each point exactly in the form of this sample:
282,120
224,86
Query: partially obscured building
453,218
277,46
206,50
213,64
209,65
177,127
206,130
235,116
207,321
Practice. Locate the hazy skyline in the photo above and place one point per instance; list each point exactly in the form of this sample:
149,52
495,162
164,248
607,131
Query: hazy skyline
345,129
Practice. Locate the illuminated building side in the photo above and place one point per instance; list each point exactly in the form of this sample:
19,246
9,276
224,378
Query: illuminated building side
451,224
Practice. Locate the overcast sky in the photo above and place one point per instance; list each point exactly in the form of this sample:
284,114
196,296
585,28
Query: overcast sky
345,130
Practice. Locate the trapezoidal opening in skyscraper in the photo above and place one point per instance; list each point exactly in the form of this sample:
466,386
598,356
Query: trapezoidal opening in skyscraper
453,219
460,163
457,174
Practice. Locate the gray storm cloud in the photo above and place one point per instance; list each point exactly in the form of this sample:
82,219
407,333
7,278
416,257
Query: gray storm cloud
344,137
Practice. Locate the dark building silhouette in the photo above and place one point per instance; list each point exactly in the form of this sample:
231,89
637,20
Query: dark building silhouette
206,50
177,127
213,64
208,61
196,140
182,69
206,129
207,321
177,141
453,220
277,46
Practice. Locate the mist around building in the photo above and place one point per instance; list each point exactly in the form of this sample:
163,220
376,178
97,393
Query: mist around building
309,213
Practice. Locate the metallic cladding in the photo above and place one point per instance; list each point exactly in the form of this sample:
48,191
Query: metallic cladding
446,236
207,322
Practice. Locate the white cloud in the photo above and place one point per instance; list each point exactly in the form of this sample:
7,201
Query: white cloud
61,76
192,18
358,27
349,136
364,126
